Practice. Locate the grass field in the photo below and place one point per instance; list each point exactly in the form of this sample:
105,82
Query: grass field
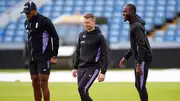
18,91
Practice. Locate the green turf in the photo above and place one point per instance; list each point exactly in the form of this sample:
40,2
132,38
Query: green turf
17,91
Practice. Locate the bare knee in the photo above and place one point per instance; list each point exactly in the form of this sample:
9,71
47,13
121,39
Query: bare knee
44,84
35,81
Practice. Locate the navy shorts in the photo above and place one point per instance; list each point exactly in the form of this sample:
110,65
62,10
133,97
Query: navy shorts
36,68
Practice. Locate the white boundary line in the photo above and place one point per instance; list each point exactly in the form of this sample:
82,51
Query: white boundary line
167,75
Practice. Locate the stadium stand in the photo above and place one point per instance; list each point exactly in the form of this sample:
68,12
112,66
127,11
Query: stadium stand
154,12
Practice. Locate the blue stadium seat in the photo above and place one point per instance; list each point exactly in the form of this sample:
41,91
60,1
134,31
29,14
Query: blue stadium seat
90,2
58,2
116,20
161,2
178,39
159,22
171,27
88,9
114,33
170,35
149,20
160,8
1,39
170,13
19,39
8,39
113,39
115,27
120,3
47,8
149,14
148,27
4,4
99,2
140,2
47,14
150,8
150,2
178,32
108,9
1,31
177,6
177,35
69,2
97,13
10,32
171,2
11,26
159,36
20,32
107,14
109,2
126,26
124,37
79,3
98,8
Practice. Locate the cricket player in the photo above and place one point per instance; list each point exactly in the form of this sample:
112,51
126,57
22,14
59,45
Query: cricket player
91,57
140,49
43,44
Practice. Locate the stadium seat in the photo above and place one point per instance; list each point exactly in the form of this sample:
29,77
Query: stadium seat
8,39
170,13
170,35
150,2
1,31
148,27
113,39
1,39
18,39
154,12
159,36
171,27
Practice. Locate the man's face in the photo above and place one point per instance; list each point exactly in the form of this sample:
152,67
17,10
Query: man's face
29,15
89,23
127,13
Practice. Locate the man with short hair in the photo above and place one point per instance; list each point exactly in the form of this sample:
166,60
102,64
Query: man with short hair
140,49
91,55
43,43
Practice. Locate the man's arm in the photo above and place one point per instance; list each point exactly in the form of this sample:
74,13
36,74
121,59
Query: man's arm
49,27
77,54
104,54
128,54
140,43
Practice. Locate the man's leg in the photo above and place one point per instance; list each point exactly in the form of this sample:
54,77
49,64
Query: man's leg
44,71
141,81
87,80
35,81
80,74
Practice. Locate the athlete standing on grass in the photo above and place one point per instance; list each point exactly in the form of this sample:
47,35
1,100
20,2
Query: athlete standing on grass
43,43
140,49
91,55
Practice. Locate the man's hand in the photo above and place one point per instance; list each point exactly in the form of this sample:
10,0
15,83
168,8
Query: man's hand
74,73
53,60
122,63
139,69
101,77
